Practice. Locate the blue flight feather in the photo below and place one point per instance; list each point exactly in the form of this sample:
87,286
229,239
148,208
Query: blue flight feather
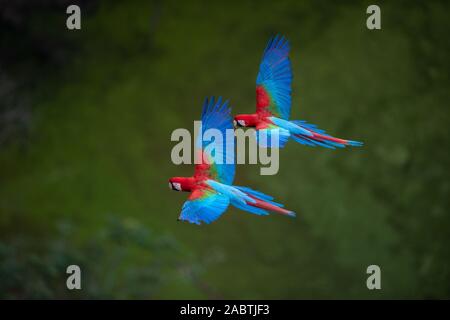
204,209
217,115
275,75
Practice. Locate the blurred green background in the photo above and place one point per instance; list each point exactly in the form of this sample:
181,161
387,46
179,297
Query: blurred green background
85,124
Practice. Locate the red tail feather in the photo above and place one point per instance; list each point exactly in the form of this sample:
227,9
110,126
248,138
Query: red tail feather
322,137
267,206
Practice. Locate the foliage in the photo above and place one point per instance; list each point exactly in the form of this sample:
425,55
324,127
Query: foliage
37,270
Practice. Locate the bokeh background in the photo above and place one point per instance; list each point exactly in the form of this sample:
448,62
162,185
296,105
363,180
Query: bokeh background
85,124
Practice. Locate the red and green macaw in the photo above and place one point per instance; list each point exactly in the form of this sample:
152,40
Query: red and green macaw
211,189
273,104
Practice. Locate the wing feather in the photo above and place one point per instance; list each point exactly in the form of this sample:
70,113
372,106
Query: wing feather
274,81
204,205
220,165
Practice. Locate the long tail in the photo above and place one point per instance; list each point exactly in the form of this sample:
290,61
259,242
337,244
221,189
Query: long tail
259,203
320,138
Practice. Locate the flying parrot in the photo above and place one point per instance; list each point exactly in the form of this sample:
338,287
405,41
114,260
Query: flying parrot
211,189
273,104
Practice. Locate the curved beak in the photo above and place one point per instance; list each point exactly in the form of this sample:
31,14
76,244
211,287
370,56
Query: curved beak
175,186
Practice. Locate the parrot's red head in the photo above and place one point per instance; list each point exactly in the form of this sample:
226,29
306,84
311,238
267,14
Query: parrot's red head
245,120
181,183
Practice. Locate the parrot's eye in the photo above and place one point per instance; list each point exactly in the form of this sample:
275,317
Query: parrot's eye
241,123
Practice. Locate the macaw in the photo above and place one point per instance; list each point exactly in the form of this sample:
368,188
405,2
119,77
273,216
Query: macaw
211,189
273,104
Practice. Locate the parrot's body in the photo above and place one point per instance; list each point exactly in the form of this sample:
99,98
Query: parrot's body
273,104
211,186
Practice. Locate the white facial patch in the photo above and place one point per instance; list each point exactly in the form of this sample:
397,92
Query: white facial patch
241,122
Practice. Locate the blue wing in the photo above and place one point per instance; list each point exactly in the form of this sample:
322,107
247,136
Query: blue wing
273,84
204,205
217,115
264,137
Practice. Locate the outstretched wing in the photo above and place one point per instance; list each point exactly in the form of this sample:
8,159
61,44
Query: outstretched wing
216,152
273,84
204,205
